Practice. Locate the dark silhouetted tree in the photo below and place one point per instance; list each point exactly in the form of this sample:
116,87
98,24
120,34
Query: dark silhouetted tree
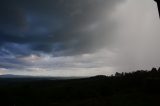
159,69
154,70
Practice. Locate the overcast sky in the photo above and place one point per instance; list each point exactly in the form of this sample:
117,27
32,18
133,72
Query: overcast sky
78,37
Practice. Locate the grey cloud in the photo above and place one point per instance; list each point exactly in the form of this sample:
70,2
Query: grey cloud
77,26
13,63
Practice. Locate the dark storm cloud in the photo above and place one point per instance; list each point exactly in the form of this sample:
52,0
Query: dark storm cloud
65,26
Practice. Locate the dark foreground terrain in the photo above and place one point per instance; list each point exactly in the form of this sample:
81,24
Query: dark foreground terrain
140,88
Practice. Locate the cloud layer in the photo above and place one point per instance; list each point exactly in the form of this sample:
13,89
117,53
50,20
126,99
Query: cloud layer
82,37
67,27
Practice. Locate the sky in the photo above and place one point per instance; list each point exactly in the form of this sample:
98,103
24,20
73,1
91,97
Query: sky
78,37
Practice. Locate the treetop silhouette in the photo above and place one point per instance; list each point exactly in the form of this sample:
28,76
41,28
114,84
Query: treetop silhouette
158,4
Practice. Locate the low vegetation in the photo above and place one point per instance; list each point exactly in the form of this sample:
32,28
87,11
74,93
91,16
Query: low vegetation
140,88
